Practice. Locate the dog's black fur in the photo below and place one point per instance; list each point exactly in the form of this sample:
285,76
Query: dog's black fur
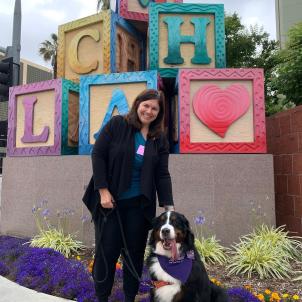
198,287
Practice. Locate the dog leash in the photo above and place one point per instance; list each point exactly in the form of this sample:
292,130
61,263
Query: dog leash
99,247
130,267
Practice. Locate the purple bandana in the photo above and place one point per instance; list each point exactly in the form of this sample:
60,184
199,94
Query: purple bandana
179,269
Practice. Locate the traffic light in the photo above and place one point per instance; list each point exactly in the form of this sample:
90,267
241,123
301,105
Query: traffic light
6,78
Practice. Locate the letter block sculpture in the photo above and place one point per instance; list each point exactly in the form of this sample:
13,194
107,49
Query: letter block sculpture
102,96
101,43
221,111
43,118
186,36
137,9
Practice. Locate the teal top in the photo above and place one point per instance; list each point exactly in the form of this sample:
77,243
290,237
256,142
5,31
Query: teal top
135,188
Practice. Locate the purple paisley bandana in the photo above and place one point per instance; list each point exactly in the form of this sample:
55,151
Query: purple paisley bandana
179,269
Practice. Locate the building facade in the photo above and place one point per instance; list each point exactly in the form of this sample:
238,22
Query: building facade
288,13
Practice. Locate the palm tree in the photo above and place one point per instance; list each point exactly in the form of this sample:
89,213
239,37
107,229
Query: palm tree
105,4
48,51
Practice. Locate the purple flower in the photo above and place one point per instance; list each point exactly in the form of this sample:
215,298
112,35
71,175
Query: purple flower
117,295
84,218
144,287
199,220
48,271
4,270
241,294
45,212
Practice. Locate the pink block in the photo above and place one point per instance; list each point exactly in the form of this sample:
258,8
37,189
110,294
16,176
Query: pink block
27,104
222,111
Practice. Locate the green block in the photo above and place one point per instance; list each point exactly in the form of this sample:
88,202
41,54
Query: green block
209,16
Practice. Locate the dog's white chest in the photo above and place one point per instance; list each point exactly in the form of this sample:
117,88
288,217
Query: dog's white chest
167,292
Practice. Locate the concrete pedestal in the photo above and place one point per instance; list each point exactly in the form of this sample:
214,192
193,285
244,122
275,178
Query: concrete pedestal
235,192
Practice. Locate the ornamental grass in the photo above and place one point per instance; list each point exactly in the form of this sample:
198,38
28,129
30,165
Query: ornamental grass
210,250
267,252
57,240
208,247
54,236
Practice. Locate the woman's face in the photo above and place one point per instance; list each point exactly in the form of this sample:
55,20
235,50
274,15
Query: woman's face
147,111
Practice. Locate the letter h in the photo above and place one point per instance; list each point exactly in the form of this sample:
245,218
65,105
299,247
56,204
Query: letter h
198,39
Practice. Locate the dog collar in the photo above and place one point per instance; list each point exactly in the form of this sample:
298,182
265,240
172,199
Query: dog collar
160,283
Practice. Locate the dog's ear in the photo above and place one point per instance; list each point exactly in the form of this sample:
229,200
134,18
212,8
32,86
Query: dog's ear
154,222
152,238
189,239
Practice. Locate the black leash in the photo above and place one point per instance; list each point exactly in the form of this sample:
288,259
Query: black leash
99,247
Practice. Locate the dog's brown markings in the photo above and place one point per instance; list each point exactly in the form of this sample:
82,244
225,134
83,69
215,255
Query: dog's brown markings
157,236
173,217
179,235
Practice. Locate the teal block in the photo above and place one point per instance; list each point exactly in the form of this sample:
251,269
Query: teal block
67,88
173,23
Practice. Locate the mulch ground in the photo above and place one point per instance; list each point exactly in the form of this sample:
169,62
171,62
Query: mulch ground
258,285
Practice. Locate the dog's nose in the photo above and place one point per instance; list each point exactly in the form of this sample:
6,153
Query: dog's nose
165,231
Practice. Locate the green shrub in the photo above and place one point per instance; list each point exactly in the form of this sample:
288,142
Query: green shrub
56,236
57,240
267,252
210,250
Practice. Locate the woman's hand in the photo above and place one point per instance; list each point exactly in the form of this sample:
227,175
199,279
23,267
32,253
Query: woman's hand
106,199
169,208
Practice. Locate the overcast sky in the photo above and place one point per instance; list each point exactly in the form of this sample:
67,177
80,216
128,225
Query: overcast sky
42,17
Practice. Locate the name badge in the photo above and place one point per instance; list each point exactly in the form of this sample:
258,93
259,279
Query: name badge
140,150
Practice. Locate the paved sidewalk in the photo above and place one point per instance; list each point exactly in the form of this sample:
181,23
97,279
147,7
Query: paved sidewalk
13,292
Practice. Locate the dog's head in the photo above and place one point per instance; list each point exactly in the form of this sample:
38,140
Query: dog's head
171,235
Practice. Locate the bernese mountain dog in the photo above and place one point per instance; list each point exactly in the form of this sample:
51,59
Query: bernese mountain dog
175,267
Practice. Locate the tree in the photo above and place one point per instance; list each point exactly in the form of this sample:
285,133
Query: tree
286,79
249,48
48,51
105,4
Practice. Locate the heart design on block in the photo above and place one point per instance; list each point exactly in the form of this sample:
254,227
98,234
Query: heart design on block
219,108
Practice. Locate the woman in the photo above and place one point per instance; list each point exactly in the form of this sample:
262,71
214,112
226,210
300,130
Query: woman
130,164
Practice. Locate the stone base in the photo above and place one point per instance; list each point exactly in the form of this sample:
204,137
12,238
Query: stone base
235,192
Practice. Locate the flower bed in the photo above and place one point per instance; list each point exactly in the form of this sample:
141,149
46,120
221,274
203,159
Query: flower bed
48,271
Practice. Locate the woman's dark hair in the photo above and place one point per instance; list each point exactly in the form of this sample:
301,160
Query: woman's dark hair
156,127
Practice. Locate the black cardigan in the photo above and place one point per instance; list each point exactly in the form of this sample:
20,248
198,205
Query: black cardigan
112,163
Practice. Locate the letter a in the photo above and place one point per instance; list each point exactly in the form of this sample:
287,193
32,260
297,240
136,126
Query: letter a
119,101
